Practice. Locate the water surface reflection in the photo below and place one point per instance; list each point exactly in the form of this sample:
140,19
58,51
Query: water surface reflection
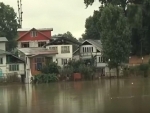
103,96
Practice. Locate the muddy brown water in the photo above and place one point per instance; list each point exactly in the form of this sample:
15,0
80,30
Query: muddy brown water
101,96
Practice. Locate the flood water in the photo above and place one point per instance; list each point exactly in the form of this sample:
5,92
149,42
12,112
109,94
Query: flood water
101,96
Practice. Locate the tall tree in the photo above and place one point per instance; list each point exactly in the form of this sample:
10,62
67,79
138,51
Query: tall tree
8,24
91,27
138,14
115,35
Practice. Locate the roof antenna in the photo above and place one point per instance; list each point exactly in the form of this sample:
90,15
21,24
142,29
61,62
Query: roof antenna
20,12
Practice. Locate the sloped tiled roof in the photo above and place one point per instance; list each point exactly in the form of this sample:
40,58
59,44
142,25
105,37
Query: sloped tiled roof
37,51
4,52
59,38
28,31
40,29
3,39
96,43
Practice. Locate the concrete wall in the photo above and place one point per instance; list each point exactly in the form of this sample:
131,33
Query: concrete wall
3,66
2,46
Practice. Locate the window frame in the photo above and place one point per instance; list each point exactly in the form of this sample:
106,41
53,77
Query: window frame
38,60
34,33
23,43
65,49
42,43
14,67
1,60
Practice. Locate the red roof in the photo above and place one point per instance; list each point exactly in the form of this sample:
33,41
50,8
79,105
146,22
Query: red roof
38,30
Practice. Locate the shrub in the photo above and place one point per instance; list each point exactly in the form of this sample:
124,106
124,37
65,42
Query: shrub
45,78
50,68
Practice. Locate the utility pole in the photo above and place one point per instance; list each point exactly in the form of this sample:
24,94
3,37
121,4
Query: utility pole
20,12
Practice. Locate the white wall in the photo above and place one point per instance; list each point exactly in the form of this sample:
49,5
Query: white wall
32,43
28,70
3,66
60,55
2,46
21,68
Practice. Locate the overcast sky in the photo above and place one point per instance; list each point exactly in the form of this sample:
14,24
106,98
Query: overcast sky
61,15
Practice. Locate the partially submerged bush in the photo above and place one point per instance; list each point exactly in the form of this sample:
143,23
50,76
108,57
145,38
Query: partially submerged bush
50,68
45,78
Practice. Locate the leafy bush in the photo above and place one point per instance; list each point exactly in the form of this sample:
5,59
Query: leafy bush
50,68
144,68
86,71
45,78
82,67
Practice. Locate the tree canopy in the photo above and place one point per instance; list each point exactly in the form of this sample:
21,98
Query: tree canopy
91,27
137,13
8,24
115,34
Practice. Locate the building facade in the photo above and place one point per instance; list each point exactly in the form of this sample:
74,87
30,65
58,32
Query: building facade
33,37
64,47
9,64
92,49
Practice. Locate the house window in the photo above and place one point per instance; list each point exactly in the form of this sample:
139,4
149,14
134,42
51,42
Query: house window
33,33
53,48
14,67
101,59
92,49
65,49
1,60
38,63
25,44
64,61
40,44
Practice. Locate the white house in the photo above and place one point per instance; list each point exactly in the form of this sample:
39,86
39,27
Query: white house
9,64
64,47
93,49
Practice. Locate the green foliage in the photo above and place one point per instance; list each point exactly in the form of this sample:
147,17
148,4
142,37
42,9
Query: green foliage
91,27
50,68
76,65
69,36
45,78
138,15
144,69
86,71
115,34
80,66
8,25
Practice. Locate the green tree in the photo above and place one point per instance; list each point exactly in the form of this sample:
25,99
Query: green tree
91,27
138,14
115,36
8,25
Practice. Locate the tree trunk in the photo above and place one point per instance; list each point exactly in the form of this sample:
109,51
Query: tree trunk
117,71
109,73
